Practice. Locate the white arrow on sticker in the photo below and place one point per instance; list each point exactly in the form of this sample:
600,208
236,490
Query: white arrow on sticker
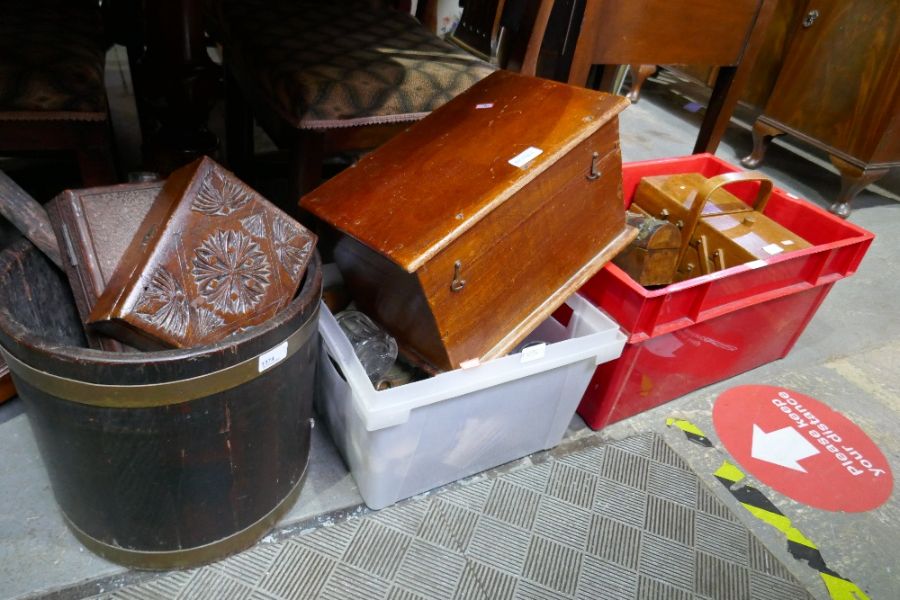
784,447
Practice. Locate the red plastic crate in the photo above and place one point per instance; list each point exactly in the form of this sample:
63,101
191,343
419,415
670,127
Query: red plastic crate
690,334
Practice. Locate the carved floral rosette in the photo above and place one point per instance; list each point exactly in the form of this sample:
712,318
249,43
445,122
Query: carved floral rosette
247,264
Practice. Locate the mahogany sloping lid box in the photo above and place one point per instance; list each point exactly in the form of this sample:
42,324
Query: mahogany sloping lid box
469,228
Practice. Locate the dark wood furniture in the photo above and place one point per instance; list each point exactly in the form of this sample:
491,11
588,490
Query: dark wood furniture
479,30
28,216
52,95
467,230
498,31
647,32
839,90
175,82
323,78
767,65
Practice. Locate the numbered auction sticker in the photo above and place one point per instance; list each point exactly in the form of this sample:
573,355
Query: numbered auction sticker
533,352
273,356
802,448
525,156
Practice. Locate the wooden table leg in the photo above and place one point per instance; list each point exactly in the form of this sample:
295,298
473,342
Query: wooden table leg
718,111
854,179
307,154
239,144
762,136
730,83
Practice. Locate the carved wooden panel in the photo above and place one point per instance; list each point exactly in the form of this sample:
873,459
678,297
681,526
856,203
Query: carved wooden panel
212,257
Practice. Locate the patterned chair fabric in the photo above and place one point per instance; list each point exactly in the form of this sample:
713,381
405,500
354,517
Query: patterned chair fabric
343,63
51,60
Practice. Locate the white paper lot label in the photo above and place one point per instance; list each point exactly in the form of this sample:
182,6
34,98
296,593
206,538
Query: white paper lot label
755,264
530,353
525,156
273,356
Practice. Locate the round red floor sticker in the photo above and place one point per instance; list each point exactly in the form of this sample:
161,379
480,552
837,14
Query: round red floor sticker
802,448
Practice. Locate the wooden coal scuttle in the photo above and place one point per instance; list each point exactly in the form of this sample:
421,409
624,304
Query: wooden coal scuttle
463,233
171,458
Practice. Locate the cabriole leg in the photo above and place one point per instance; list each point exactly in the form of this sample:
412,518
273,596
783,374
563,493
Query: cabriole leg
853,180
762,136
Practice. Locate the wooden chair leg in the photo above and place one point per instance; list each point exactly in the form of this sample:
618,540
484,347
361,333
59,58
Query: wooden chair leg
307,155
762,136
639,74
145,119
853,180
238,130
605,78
730,83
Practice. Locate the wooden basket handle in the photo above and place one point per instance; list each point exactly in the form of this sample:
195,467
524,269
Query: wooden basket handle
709,186
713,183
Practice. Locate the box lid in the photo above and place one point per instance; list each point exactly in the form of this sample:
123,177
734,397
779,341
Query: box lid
95,226
428,185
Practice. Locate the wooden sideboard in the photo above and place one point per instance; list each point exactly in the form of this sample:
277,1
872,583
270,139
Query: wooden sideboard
838,89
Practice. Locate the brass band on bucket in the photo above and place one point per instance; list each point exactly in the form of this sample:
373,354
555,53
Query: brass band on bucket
191,557
155,394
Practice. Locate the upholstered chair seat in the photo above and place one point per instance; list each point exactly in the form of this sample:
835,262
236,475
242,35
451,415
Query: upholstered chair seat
52,94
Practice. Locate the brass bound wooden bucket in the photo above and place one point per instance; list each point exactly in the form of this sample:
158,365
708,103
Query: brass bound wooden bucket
162,459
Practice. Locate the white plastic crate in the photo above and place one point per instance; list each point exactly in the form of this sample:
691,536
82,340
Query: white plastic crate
409,439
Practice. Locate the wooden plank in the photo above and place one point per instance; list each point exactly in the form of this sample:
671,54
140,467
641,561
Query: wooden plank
29,217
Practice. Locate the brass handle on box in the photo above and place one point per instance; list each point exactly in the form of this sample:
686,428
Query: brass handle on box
594,174
458,282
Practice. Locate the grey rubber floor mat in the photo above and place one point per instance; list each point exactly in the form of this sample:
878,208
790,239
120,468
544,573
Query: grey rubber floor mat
621,520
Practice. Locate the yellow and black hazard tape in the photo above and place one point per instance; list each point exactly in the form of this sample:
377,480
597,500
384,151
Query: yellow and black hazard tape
800,546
